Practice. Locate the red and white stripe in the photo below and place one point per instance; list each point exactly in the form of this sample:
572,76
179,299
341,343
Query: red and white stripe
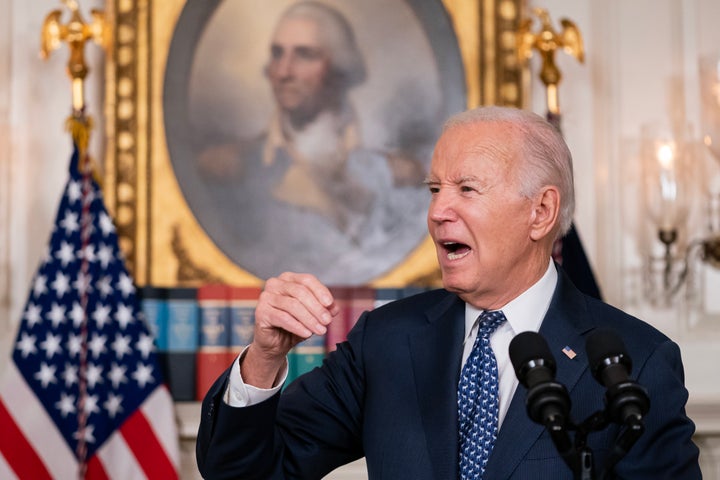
145,446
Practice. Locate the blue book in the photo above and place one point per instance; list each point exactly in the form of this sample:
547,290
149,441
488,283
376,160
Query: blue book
214,344
182,342
243,301
411,290
153,305
386,295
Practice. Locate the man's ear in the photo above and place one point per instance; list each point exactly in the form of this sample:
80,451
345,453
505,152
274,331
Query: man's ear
545,213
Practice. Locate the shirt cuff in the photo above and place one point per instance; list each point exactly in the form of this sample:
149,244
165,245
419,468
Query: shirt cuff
238,394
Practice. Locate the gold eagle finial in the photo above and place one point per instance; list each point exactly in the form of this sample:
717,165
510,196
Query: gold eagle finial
546,42
76,33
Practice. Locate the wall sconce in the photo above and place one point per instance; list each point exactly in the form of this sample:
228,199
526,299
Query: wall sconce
666,162
671,174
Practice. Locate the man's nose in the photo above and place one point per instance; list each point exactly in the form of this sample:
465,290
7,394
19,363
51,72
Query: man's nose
441,207
284,65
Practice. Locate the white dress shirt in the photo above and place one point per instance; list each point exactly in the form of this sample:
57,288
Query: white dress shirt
524,313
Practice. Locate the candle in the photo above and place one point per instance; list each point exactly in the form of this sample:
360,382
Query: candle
665,155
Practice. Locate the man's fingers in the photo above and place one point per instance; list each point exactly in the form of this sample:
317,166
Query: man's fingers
295,326
294,315
298,299
315,297
294,281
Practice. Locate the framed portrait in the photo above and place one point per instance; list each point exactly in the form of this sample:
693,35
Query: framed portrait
250,138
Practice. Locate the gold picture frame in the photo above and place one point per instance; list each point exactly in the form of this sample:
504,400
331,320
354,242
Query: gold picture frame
163,242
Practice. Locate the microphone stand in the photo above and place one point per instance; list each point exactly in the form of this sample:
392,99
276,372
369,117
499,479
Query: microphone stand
579,456
595,422
634,427
561,438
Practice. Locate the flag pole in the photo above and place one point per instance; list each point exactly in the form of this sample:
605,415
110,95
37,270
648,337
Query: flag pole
76,33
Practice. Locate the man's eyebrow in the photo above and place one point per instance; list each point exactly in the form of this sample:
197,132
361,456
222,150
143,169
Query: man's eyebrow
465,179
456,181
308,50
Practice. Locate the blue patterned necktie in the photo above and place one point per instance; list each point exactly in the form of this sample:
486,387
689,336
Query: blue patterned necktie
478,400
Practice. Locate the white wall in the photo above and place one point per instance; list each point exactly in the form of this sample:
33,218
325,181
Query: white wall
5,35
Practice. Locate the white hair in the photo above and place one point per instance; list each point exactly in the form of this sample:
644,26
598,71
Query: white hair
545,153
337,36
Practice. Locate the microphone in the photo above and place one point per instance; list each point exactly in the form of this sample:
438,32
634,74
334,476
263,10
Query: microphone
548,402
627,402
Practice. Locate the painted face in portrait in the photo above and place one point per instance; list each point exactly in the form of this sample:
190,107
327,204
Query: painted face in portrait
299,69
484,229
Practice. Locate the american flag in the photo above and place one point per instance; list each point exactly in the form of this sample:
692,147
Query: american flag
83,396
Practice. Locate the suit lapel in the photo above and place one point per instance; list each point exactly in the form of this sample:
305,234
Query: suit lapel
565,322
436,354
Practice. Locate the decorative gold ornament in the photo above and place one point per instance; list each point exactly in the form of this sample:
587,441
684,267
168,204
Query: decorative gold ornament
546,41
76,33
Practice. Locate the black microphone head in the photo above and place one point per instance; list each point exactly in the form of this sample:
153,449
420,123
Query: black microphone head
604,347
626,401
529,349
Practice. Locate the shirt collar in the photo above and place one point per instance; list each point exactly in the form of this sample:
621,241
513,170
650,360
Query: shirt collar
525,312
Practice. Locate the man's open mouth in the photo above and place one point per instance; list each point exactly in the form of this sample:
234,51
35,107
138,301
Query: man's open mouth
455,250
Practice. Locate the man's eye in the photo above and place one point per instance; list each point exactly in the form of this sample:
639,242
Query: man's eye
466,189
276,52
433,189
306,53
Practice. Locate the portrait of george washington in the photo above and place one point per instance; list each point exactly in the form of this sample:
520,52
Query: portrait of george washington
300,133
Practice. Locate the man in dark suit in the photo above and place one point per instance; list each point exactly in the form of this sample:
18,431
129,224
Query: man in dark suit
397,391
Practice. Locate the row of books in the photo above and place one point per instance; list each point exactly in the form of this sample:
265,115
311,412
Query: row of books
200,331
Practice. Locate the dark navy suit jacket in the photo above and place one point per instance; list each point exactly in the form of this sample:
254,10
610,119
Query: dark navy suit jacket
389,394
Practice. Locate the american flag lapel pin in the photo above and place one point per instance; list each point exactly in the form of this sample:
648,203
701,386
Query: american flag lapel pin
569,352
